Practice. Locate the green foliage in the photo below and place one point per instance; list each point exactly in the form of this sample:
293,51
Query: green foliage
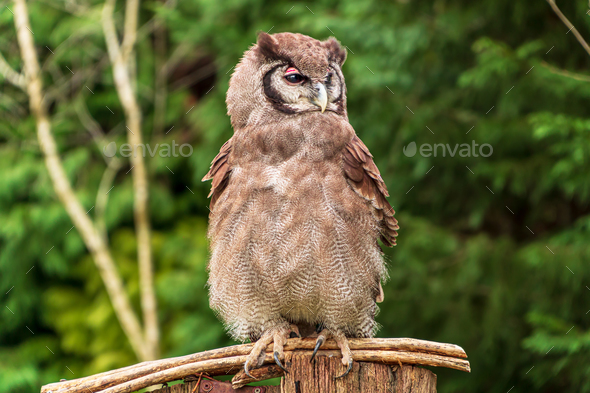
493,252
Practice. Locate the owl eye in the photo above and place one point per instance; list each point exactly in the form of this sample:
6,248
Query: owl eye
292,76
329,78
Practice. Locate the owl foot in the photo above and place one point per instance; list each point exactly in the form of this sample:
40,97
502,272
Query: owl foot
342,342
278,336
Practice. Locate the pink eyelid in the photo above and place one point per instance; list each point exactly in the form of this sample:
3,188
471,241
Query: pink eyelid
291,70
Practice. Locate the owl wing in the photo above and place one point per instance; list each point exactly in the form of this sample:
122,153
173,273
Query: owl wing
365,179
219,172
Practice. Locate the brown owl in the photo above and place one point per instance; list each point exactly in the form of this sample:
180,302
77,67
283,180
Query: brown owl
297,204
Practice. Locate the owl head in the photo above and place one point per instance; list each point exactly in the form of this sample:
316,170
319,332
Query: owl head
287,74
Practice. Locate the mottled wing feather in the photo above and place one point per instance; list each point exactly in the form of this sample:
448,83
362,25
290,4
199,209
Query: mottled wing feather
219,172
366,181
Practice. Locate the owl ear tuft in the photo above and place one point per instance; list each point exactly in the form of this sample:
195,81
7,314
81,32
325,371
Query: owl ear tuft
336,52
268,46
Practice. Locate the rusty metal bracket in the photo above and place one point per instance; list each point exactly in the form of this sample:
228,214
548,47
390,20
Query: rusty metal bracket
213,386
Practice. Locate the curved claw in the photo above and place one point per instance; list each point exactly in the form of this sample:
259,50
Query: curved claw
347,371
294,335
278,362
318,344
247,372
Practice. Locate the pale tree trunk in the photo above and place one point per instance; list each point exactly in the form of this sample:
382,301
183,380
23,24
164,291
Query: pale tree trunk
123,68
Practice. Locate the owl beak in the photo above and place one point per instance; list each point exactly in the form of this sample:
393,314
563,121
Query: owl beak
321,98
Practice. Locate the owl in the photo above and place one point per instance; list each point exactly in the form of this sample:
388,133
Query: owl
297,204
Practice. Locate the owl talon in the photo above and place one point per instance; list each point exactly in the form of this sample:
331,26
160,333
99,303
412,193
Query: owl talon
347,359
318,344
248,372
347,370
278,362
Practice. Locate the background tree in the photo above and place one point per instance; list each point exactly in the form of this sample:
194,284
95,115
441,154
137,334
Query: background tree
493,252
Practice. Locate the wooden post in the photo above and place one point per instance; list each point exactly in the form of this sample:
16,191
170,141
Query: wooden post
318,377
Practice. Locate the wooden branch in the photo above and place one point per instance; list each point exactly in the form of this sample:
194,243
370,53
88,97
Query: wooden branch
569,25
177,55
84,225
130,28
225,360
397,357
16,78
161,79
260,374
111,378
175,373
197,75
110,32
80,79
121,73
565,73
92,126
218,366
391,344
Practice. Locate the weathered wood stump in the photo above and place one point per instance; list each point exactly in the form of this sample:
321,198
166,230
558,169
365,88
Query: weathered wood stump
306,377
